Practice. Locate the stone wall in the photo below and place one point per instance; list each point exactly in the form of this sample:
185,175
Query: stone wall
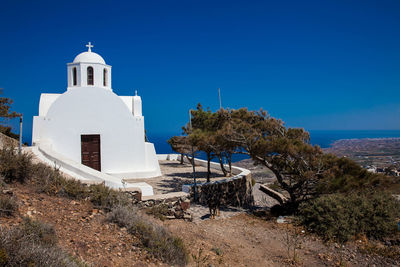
235,191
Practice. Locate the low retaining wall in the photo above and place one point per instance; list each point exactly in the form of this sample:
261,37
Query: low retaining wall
85,174
234,191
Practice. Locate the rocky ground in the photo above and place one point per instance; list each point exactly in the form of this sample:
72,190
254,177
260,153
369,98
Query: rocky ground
236,238
80,228
246,240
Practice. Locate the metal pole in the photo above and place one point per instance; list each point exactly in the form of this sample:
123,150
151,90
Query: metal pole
219,94
193,163
20,134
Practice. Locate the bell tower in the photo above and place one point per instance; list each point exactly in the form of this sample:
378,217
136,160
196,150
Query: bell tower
89,70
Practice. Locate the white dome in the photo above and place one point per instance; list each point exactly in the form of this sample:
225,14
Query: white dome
89,57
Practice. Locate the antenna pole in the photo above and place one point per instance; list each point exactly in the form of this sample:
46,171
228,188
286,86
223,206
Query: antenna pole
20,134
219,94
193,163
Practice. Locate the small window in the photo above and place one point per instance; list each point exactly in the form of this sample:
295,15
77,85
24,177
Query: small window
74,82
90,78
105,77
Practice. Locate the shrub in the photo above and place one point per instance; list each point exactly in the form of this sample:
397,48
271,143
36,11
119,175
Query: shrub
154,238
159,211
32,243
50,181
8,205
15,166
345,175
160,243
39,232
107,198
342,217
123,216
46,179
73,188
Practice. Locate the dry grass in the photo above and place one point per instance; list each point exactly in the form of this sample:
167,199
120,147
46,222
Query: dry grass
8,205
154,238
32,243
50,181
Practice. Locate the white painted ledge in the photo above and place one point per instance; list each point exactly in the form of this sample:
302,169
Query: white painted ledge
84,173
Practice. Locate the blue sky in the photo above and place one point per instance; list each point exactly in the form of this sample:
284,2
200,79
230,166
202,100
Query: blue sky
314,64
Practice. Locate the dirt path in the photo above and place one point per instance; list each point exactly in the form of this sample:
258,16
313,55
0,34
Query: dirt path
245,240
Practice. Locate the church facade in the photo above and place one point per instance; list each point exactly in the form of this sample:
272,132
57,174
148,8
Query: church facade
92,126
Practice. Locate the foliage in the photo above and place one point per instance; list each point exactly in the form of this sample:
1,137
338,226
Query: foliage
217,251
6,130
158,211
343,216
287,152
105,197
154,238
39,232
344,175
50,181
32,243
201,133
200,259
15,166
5,108
5,115
8,205
206,133
182,145
292,241
302,170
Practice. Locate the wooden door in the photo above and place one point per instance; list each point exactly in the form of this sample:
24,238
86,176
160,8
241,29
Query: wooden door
90,148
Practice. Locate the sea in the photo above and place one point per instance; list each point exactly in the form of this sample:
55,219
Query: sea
323,138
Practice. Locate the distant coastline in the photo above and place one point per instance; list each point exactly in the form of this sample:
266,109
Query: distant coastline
369,152
323,138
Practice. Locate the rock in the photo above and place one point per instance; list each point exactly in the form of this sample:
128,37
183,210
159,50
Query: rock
170,217
8,192
281,219
185,205
188,217
179,214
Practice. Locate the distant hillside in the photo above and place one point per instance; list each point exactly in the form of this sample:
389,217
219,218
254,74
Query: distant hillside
380,152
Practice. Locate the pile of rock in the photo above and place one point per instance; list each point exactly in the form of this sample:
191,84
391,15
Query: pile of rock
169,208
179,210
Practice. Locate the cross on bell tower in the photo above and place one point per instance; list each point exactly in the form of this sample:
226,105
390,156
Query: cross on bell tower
89,46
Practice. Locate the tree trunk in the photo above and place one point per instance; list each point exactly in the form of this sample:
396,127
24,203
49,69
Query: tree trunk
191,160
208,166
181,158
275,195
229,156
222,165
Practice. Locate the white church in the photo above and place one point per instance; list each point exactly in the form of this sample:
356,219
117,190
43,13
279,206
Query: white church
90,132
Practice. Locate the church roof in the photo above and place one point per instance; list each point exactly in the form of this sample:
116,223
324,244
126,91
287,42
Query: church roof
89,57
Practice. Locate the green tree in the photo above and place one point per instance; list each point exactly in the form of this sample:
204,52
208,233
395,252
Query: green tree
201,133
287,152
5,115
182,145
